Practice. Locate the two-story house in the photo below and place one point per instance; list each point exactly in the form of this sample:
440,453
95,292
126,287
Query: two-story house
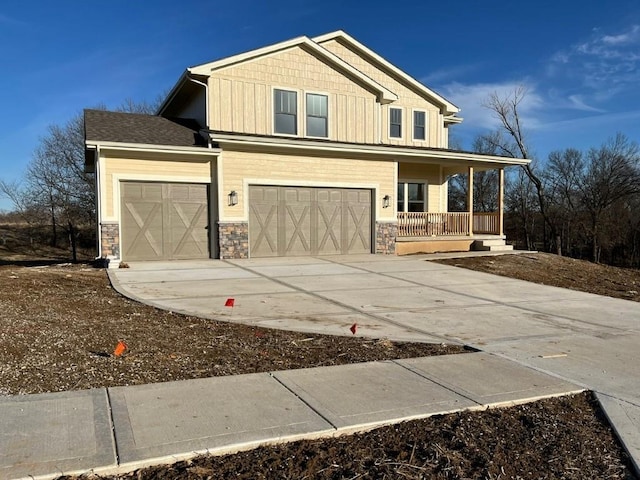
312,146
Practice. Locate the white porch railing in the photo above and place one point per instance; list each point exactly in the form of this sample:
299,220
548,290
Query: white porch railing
427,224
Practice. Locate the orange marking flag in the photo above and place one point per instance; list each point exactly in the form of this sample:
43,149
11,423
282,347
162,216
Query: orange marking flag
120,348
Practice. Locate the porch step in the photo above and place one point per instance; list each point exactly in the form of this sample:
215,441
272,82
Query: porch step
492,245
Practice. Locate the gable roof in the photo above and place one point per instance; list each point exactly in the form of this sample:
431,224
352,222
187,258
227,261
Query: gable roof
120,127
385,95
345,38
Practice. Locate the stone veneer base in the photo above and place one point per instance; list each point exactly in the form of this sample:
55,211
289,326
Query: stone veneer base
386,238
233,238
110,240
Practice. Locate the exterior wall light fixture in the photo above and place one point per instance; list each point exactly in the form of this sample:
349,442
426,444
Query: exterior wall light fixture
386,201
233,198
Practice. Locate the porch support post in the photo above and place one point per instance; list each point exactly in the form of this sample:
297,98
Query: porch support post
470,199
501,201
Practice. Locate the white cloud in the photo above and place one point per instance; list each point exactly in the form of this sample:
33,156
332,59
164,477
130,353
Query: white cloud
472,98
578,102
630,37
606,64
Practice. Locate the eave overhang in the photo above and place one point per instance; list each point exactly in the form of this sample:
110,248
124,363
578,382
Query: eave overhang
449,109
390,152
96,146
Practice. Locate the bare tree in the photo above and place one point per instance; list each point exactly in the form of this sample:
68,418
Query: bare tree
56,186
520,201
485,183
58,181
611,175
562,176
594,191
511,141
131,106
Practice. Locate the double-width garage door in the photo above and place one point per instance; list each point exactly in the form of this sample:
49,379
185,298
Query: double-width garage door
287,221
164,221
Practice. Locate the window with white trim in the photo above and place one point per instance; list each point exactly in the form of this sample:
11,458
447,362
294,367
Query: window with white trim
285,109
317,115
419,125
412,196
395,122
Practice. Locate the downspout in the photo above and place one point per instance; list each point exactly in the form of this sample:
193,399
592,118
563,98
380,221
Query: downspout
379,122
214,188
98,203
206,104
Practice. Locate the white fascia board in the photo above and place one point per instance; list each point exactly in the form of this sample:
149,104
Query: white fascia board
142,147
394,153
453,119
207,68
449,107
385,95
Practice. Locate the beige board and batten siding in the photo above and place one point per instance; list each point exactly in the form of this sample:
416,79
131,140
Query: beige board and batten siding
241,96
150,167
432,176
239,169
408,101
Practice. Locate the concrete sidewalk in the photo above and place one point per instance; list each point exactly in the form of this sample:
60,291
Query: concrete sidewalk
583,338
119,429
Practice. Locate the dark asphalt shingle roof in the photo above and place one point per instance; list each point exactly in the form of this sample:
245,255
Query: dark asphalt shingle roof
105,126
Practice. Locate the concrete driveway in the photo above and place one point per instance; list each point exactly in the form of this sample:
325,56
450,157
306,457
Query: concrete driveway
587,339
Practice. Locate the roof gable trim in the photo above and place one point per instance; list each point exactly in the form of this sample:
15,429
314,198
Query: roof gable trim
352,42
384,95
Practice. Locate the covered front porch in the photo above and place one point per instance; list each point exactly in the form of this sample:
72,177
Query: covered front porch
450,224
432,231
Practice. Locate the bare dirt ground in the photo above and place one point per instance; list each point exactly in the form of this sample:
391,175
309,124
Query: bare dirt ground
549,269
59,325
561,438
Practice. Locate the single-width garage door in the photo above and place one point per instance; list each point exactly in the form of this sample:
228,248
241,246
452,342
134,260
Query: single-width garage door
164,221
287,221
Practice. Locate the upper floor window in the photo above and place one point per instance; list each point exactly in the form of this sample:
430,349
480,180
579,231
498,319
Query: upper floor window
317,116
419,125
286,112
395,122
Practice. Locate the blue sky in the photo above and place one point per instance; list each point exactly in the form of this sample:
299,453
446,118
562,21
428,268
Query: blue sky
578,59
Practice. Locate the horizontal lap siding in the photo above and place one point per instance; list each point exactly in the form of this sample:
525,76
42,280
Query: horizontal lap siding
304,171
194,168
431,174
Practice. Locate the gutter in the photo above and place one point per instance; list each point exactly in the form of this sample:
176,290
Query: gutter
389,152
142,147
